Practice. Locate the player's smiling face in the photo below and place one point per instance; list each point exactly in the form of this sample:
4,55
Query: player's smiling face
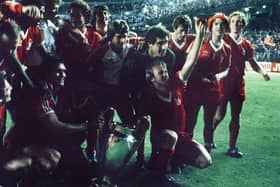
58,75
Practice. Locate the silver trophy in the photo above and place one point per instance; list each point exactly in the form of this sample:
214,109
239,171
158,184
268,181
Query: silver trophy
116,143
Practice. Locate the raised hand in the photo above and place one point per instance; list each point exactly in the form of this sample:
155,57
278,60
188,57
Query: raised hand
200,27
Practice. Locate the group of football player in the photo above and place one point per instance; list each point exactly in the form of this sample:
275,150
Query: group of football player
59,77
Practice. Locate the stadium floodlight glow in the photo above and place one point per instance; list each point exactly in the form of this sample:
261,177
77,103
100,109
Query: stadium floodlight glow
145,9
155,7
246,9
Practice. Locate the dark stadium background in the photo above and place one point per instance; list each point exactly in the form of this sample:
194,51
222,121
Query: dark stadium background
263,15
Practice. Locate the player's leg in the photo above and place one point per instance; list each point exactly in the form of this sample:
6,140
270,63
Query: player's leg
220,114
163,146
192,110
236,107
208,131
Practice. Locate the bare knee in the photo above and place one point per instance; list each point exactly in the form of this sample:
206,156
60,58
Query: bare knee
168,139
203,159
220,113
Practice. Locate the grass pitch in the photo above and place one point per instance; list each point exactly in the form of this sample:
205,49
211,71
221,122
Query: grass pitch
258,139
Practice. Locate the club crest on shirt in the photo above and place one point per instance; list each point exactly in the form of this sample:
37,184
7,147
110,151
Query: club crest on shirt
177,100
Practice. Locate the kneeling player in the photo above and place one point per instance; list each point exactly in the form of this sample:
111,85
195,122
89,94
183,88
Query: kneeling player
163,101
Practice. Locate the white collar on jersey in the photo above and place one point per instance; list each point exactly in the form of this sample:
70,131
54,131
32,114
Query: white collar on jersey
180,46
238,41
216,48
166,99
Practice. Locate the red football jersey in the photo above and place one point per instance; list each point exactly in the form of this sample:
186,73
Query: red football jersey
211,61
74,49
2,116
28,128
180,50
241,51
10,9
32,36
166,113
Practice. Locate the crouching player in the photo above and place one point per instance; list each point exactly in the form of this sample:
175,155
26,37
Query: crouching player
164,103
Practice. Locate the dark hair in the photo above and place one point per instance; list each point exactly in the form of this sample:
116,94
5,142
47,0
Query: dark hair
156,31
53,2
38,3
149,73
97,10
10,28
48,64
82,5
183,20
117,26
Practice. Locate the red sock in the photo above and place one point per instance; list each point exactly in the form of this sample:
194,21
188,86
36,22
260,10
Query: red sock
234,131
164,158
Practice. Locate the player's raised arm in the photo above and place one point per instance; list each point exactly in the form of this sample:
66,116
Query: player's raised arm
200,28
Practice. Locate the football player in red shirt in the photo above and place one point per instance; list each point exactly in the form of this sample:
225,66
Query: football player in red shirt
180,39
42,110
6,163
75,40
133,74
203,88
14,10
45,159
234,84
163,100
8,62
100,19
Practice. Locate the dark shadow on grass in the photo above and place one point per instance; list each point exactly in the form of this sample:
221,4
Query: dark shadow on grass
132,177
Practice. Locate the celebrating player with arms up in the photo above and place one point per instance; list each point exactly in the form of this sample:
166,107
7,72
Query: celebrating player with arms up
163,101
